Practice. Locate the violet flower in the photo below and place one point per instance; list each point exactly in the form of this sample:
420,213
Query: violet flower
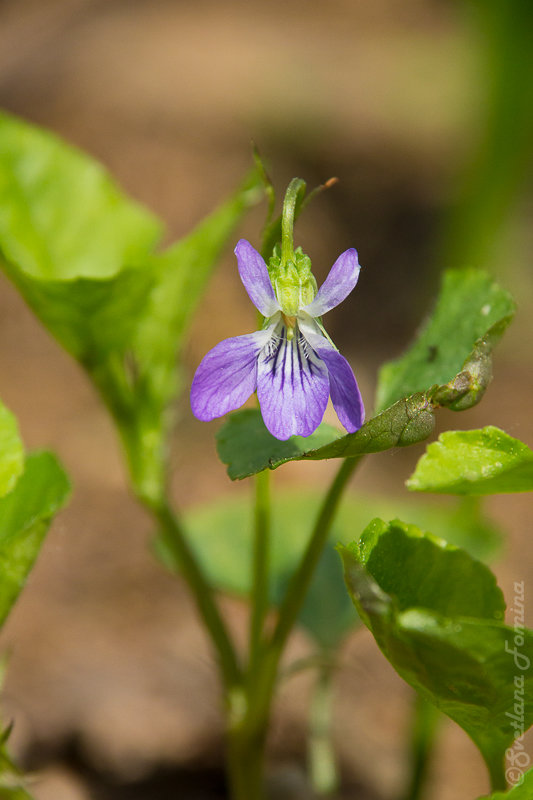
291,362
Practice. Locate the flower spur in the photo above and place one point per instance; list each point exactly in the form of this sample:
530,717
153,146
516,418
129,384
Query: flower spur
291,363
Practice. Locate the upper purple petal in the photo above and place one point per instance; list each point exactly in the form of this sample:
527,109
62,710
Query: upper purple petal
227,375
254,275
292,387
341,280
345,394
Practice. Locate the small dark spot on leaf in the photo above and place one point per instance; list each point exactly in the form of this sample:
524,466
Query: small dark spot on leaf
433,352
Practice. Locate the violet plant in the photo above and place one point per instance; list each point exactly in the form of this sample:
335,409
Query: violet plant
291,363
84,257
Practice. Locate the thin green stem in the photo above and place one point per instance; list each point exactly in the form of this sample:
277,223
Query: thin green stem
424,729
245,758
175,539
301,579
261,566
321,754
295,189
265,676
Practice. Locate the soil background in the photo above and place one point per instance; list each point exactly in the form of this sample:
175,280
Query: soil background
111,682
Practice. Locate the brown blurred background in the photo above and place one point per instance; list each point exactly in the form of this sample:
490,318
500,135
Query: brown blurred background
111,682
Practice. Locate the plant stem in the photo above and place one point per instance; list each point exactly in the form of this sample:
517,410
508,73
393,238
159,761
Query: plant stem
265,676
176,541
295,189
322,765
424,728
261,564
245,758
301,579
498,779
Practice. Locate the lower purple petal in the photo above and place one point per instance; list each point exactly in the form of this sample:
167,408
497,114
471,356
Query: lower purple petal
227,376
345,394
292,387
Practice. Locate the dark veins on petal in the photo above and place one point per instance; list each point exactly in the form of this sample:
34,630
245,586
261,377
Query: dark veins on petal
299,347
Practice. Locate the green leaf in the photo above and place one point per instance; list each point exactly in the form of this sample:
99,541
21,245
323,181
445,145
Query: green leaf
486,461
454,377
14,792
11,778
221,535
11,451
433,574
71,241
247,447
522,790
437,619
25,514
82,255
470,306
62,217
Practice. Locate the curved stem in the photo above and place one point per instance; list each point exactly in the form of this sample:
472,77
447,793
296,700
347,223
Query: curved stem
301,579
295,189
261,563
176,541
266,675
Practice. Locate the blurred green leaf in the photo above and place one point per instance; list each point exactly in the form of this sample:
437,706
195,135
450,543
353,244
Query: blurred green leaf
61,216
82,255
13,792
486,461
221,535
25,514
437,619
181,275
11,451
11,778
451,362
470,306
522,791
497,165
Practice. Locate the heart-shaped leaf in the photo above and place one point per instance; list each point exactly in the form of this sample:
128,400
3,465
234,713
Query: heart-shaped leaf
437,615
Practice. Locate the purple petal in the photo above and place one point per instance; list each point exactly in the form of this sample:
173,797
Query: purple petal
254,275
341,280
292,387
345,394
227,375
